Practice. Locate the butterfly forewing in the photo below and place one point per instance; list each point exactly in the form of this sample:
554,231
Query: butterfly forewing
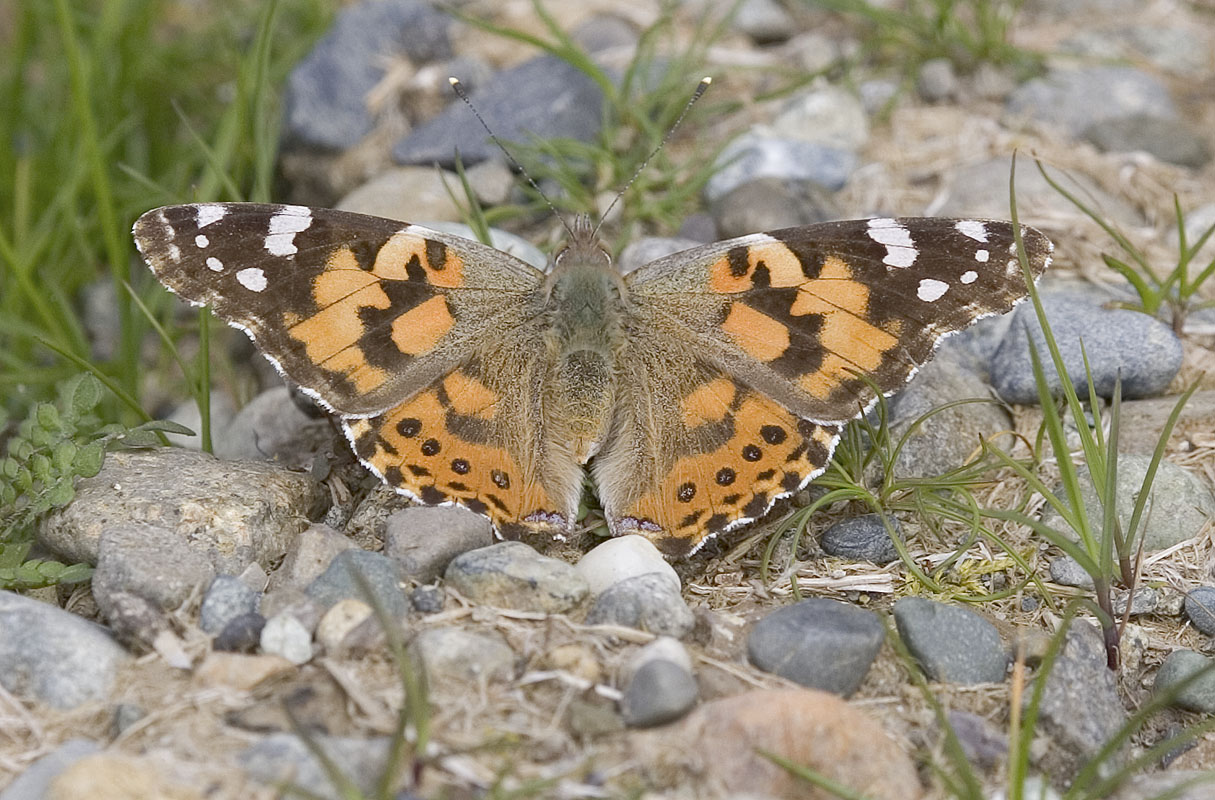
802,314
358,310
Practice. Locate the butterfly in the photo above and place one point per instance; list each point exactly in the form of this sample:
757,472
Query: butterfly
698,389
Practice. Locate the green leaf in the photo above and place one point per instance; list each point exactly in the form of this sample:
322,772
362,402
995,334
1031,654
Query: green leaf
85,394
76,573
165,426
64,456
47,416
137,438
9,467
61,494
40,465
89,459
21,449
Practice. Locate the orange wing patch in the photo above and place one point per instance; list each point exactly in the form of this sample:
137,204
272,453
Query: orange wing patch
758,335
765,454
404,249
422,449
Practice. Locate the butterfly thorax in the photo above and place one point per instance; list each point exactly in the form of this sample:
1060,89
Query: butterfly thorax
585,305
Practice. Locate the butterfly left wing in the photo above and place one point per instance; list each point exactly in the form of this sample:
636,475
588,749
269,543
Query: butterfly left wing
798,325
430,346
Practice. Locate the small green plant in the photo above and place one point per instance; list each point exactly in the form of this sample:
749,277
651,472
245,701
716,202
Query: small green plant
52,447
134,87
640,107
863,472
1106,551
967,32
1177,289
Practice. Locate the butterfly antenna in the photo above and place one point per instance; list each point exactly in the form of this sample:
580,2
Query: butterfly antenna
700,90
458,88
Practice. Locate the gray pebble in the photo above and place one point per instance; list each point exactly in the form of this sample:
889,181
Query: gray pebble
771,203
754,155
861,538
937,80
543,98
338,582
1199,695
1081,708
1178,506
227,597
1066,571
1144,601
952,644
660,691
765,21
1169,140
271,426
283,759
819,643
310,555
646,602
326,96
1077,98
513,575
1140,348
286,636
423,540
36,781
984,744
454,654
53,656
427,599
1200,608
242,634
157,564
232,512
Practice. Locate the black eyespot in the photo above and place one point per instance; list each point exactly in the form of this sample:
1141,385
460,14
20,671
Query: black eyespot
500,479
459,466
752,453
773,434
725,476
409,427
686,492
430,447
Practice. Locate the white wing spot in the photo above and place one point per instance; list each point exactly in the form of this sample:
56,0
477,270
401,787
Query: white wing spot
970,276
281,244
289,221
201,241
981,256
252,279
900,249
214,264
931,290
973,228
210,212
174,253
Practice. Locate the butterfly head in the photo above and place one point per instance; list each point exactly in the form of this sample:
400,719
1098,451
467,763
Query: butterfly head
583,251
